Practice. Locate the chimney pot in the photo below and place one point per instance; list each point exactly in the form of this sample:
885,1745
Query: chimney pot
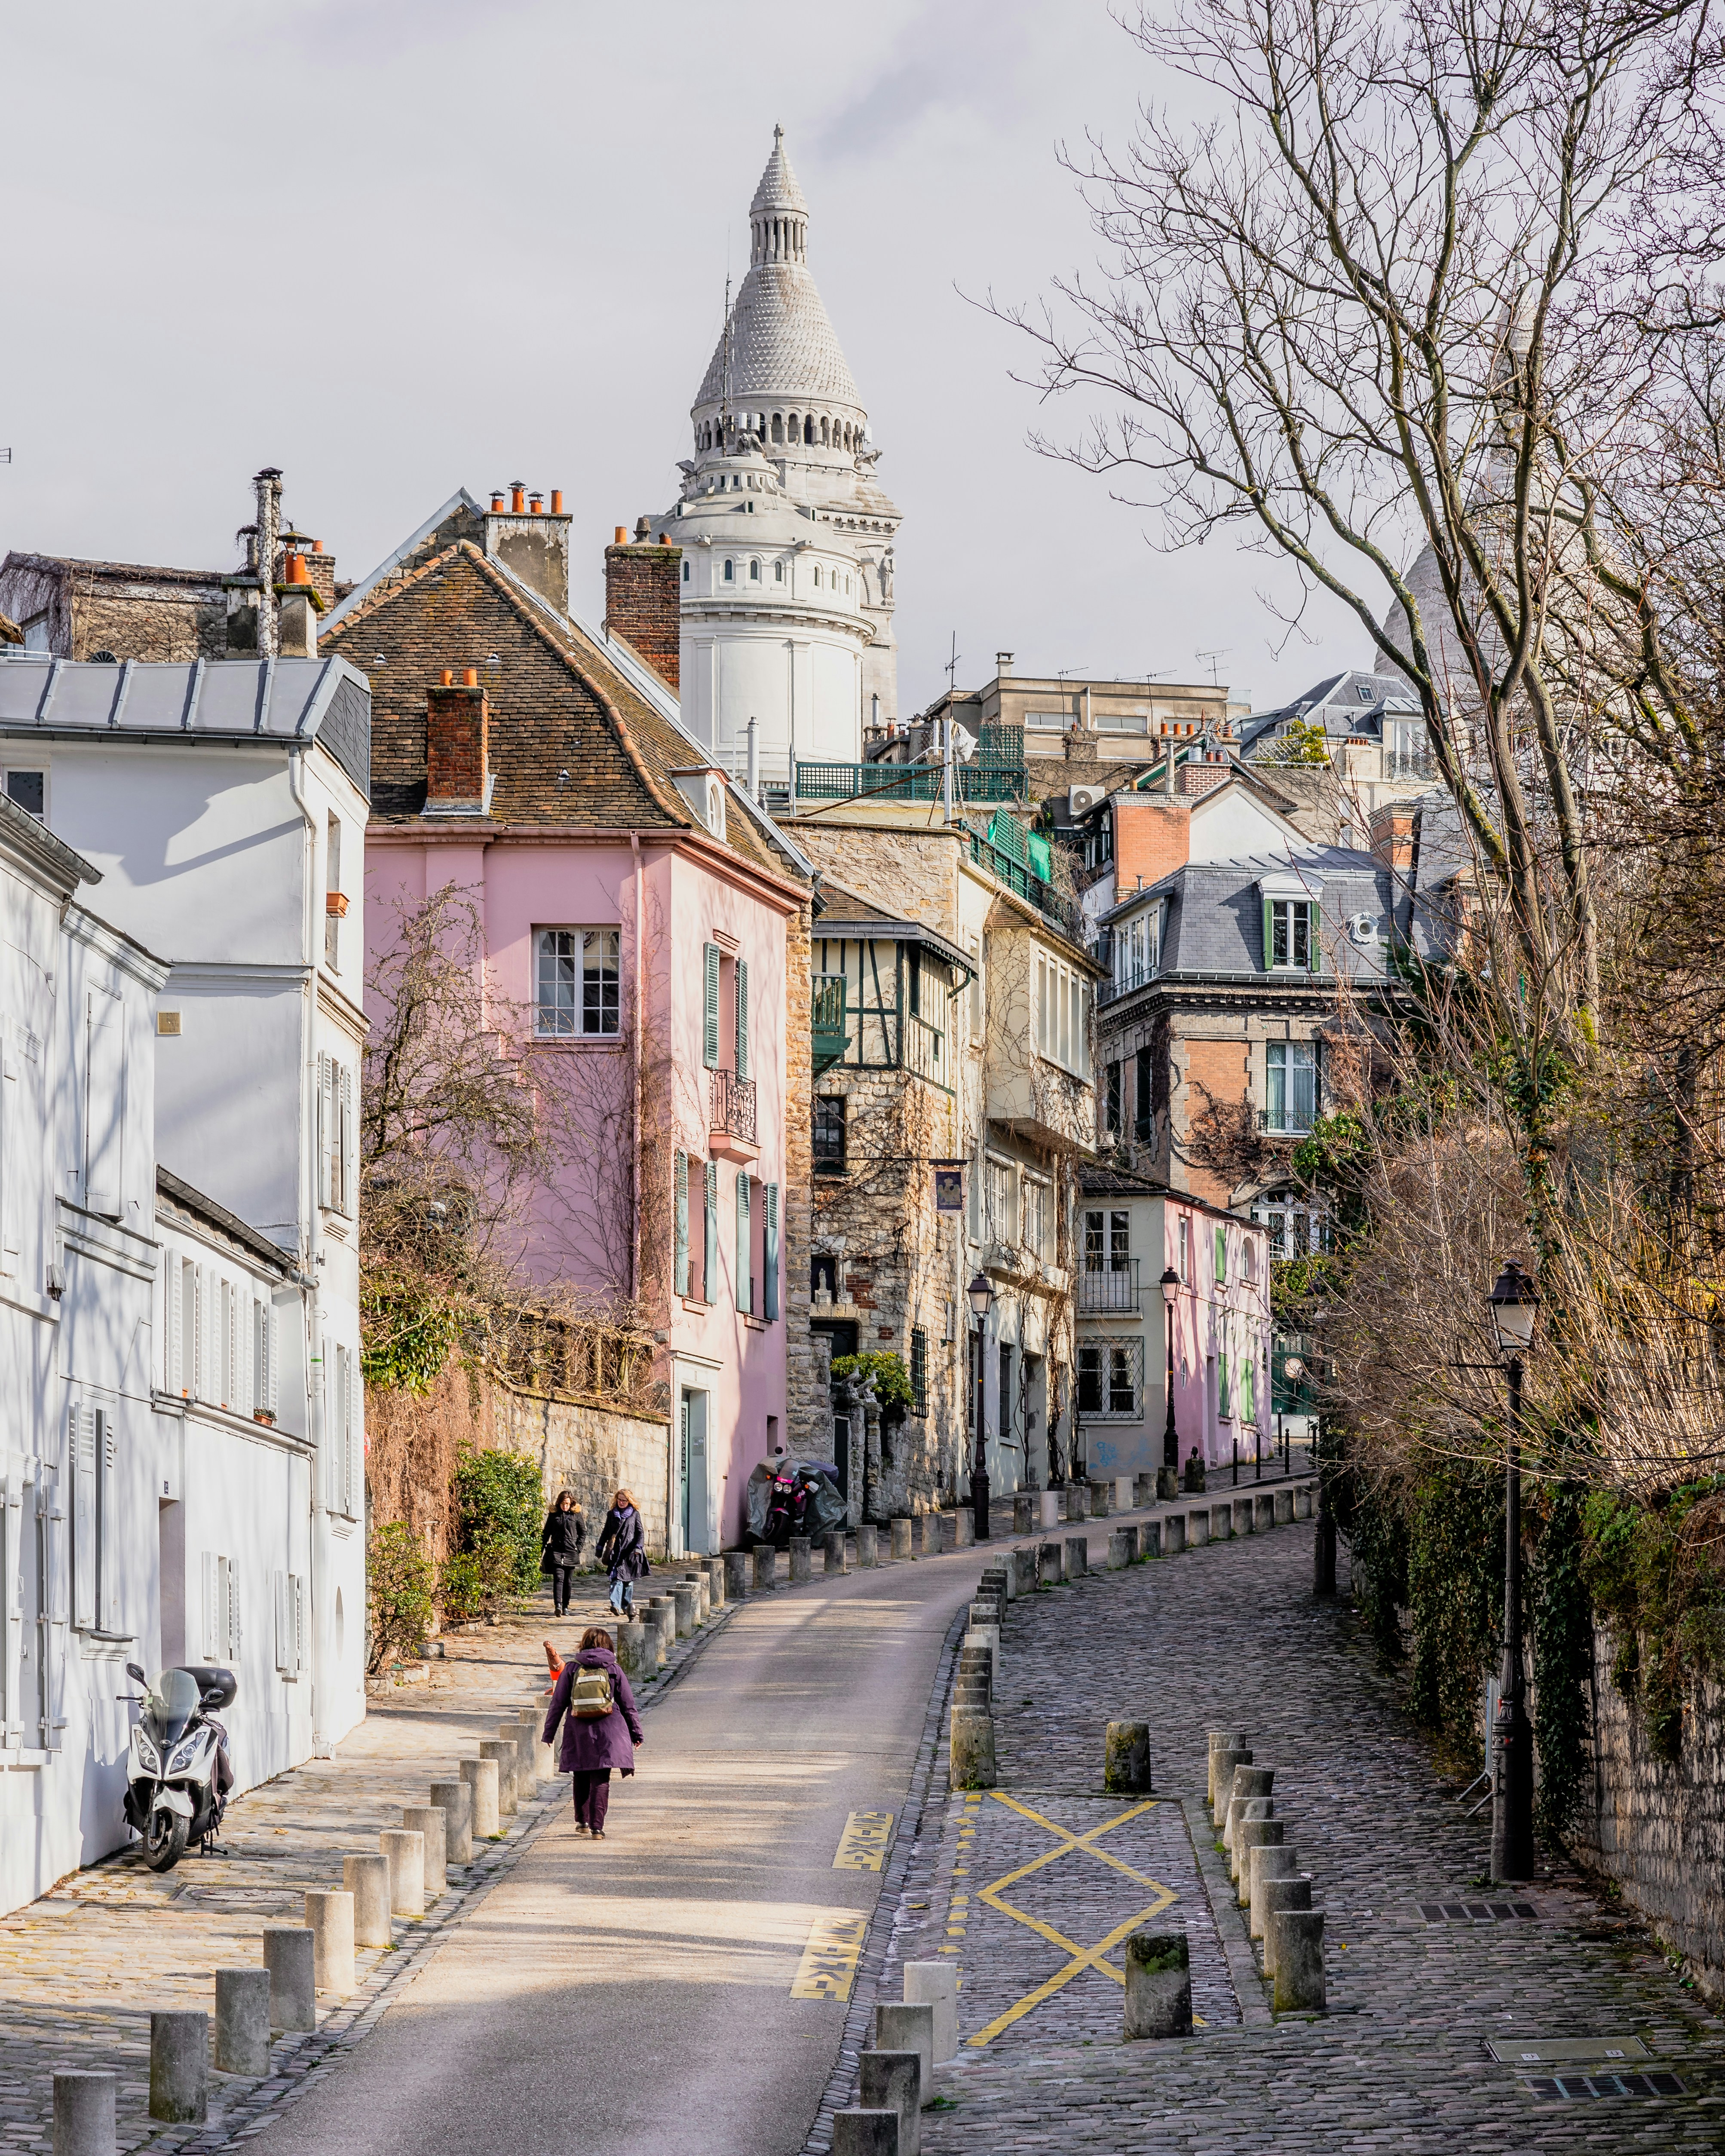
642,532
664,538
517,497
448,676
622,538
557,501
470,679
317,546
496,502
536,502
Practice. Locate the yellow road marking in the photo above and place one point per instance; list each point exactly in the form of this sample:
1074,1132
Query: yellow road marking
828,1968
862,1846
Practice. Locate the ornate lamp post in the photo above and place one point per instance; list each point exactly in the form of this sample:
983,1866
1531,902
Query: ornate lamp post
981,1301
1514,1305
1167,1482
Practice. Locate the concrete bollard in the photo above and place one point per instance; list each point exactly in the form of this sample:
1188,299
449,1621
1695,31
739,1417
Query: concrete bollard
868,1546
1173,1534
978,1667
1302,1502
1197,1527
1149,1539
1023,1512
1277,1896
367,1879
901,1551
1251,1780
833,1551
1100,1493
1269,1860
1221,1522
1077,1556
1299,1961
1023,1572
242,2021
454,1801
1159,1985
892,2080
1124,1493
179,2064
1242,1516
801,1560
405,1850
429,1823
330,1917
505,1754
964,1528
971,1751
714,1568
1263,1514
1143,1491
288,1954
865,2133
936,1533
480,1776
1222,1740
1077,1501
736,1575
1221,1767
1126,1759
1239,1808
686,1600
83,2113
997,1579
1050,1571
635,1658
701,1579
909,2027
1119,1553
988,1636
1048,1509
766,1576
1283,1503
523,1732
936,1983
1249,1836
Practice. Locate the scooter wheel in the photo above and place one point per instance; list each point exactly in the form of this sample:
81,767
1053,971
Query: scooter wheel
165,1839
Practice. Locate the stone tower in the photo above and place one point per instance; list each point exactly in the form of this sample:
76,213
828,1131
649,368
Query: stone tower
786,538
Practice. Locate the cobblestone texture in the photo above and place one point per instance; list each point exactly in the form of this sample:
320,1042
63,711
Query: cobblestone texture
1229,1636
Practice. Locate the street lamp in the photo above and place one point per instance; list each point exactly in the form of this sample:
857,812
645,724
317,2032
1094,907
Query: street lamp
1167,1482
982,1300
1514,1304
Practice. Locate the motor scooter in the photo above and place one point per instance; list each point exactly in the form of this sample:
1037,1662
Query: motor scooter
177,1773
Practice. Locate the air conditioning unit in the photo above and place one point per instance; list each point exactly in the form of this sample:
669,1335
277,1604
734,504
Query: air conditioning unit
1081,799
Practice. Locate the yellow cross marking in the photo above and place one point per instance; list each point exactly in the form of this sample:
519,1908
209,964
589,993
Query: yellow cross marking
1067,1844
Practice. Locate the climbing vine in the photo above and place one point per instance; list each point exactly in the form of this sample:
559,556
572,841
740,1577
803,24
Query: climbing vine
1563,1655
1455,1596
1654,1575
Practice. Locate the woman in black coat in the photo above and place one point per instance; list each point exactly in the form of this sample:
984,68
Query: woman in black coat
623,1546
560,1546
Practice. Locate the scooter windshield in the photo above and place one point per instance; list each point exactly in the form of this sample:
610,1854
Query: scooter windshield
169,1705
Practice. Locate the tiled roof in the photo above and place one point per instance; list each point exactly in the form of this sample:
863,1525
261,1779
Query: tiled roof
1095,1179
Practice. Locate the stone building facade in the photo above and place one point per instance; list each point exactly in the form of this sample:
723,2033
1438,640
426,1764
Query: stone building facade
74,609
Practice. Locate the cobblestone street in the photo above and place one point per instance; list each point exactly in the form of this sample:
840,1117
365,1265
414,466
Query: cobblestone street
1228,1635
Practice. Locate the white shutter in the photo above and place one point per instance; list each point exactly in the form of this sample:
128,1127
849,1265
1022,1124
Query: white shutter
12,1155
283,1623
12,1470
345,1199
197,1384
104,1104
51,1602
273,1337
110,1541
172,1284
325,1121
81,1431
356,1437
298,1585
212,1611
231,1641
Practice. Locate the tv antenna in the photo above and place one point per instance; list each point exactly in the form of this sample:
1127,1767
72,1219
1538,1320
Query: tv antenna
947,746
1221,651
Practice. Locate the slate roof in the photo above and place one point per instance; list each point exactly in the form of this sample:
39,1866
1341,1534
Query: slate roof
1097,1179
845,914
1350,704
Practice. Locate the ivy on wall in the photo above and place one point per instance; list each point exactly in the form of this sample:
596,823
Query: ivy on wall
1654,1573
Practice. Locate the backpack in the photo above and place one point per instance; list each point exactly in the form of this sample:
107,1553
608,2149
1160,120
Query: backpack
590,1699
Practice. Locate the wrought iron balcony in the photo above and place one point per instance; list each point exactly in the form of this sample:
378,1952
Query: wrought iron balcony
1100,1291
731,1115
829,1037
1291,1122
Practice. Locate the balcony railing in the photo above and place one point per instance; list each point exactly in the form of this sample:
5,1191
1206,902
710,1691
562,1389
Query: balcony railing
1295,1121
907,781
828,1037
732,1106
1116,986
1023,881
1100,1291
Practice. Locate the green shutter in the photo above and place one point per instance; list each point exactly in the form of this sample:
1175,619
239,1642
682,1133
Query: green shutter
1221,1253
710,1046
742,1018
745,1299
769,1261
710,1270
1314,942
1223,1403
1269,938
681,1263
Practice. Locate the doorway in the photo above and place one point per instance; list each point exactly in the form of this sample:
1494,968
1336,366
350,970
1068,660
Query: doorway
842,1339
693,1476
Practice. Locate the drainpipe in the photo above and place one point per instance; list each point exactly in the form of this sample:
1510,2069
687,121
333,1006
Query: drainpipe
321,1748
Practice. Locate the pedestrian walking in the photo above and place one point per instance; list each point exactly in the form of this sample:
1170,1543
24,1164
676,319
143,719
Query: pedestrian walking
623,1546
601,1729
560,1543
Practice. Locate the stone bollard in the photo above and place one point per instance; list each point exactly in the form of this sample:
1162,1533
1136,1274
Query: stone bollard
1159,1985
405,1850
997,1579
978,1667
1143,1491
685,1598
868,1546
1077,1556
971,1756
480,1776
909,2027
1239,1808
1277,1896
454,1801
1283,1502
1197,1527
964,1528
833,1551
801,1561
1302,1502
1049,1569
1149,1539
1126,1759
330,1915
901,1541
83,2113
892,2080
1299,1961
701,1580
865,2134
736,1575
179,2064
1173,1534
1100,1493
1222,1740
1221,1767
1023,1572
1124,1493
766,1576
988,1636
936,1983
367,1879
496,1747
1077,1501
1221,1522
1120,1552
1269,1861
714,1568
242,2021
523,1732
288,1955
635,1658
1023,1512
1242,1516
428,1822
1263,1514
1048,1509
1250,1836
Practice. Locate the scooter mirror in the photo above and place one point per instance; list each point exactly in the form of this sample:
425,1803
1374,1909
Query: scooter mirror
136,1674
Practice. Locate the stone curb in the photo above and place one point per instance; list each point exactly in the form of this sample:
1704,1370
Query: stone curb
1231,1933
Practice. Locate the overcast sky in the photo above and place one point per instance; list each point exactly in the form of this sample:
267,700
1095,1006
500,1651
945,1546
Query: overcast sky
398,249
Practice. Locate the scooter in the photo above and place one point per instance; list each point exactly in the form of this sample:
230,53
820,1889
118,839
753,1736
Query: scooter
178,1774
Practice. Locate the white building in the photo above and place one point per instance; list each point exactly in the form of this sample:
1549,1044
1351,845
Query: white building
184,1409
787,538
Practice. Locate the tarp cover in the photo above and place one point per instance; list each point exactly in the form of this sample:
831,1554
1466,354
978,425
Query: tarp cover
826,1507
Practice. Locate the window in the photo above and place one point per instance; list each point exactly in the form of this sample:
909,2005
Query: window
337,1154
769,1252
999,1201
1291,1085
778,572
1110,1113
1248,1391
1143,1122
686,569
221,1609
1037,1212
754,572
36,632
919,1371
1290,939
680,1201
1107,1241
1047,721
1364,692
577,985
730,572
745,1252
343,1441
29,790
1122,722
290,1625
711,957
96,1546
1110,1380
1062,1015
816,576
710,1252
266,1356
976,989
1184,1266
1004,1401
1224,1404
334,904
828,1134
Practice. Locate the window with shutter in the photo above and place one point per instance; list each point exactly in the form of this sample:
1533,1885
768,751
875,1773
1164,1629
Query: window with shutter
710,1027
51,1604
769,1257
13,1489
283,1626
1221,1253
110,1540
260,1356
214,1606
680,1259
356,1452
742,1018
172,1325
104,1104
710,1271
81,1431
326,1121
744,1283
348,1164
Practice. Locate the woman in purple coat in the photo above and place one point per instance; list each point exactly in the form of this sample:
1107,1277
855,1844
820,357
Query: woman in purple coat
593,1746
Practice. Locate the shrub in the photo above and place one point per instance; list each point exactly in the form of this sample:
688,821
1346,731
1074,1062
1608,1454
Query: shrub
398,1593
892,1381
499,1511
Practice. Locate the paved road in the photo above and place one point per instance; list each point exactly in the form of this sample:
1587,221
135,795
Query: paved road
633,1996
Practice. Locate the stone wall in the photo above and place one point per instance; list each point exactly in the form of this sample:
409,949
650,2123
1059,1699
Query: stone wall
808,1406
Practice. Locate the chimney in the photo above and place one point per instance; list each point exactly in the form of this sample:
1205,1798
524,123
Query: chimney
1152,837
517,497
458,721
1393,836
1003,662
268,483
644,599
530,544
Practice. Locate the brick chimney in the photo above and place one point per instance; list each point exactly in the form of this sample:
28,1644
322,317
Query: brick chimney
457,720
1196,779
1392,833
1153,838
643,599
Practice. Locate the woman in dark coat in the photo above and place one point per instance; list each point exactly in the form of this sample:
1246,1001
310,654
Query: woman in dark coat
623,1546
560,1546
592,1748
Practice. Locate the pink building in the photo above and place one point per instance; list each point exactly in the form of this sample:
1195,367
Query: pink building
640,923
